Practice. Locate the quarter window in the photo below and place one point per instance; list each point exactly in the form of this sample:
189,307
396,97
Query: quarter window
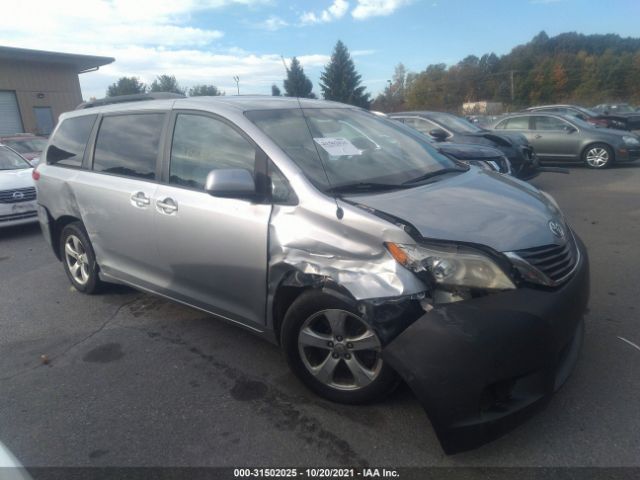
201,144
69,142
128,145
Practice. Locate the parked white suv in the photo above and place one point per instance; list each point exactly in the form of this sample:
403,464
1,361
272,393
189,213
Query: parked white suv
17,191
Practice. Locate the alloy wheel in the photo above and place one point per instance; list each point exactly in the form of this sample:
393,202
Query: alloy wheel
340,350
597,157
77,260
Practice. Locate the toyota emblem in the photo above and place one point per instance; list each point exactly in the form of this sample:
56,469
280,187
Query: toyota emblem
556,228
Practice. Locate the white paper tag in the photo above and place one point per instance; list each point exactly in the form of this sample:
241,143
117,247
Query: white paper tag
337,146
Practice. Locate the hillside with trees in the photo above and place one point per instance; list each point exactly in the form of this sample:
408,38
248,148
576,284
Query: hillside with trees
568,68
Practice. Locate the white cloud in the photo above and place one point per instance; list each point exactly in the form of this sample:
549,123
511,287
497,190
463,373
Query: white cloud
147,38
376,8
273,23
335,11
192,67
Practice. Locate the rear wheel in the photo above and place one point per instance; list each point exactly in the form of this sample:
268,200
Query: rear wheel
78,258
334,351
598,155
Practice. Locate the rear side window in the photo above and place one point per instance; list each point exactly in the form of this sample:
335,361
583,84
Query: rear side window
549,123
201,144
128,145
70,140
515,123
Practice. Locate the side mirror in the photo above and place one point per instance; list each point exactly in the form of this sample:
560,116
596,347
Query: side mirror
230,183
439,134
570,129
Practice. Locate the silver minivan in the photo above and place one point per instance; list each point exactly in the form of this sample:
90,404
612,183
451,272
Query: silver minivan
343,237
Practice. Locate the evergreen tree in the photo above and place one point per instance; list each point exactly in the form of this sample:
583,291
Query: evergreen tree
275,91
166,83
340,81
126,86
205,91
297,84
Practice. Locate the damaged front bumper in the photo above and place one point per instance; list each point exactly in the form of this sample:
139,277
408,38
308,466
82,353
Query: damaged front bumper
480,367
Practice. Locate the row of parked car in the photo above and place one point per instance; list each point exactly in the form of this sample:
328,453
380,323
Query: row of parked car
551,133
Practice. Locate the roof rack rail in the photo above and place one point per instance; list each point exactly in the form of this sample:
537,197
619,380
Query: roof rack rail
137,97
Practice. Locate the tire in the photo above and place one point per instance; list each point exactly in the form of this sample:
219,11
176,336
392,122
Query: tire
598,156
325,341
78,259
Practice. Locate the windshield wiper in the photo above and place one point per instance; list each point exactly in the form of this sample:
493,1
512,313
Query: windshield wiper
363,187
429,175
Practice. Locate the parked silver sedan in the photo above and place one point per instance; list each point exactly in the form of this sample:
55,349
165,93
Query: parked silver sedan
567,138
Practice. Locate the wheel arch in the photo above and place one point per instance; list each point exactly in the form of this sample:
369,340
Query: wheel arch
592,144
57,226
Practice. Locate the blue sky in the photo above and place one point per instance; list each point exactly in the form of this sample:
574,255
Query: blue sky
210,41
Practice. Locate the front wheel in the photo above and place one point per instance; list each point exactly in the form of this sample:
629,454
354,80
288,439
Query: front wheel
598,155
333,351
78,258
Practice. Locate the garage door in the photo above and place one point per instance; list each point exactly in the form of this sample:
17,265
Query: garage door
10,121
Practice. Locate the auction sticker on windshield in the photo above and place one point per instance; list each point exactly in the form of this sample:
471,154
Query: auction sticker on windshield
337,146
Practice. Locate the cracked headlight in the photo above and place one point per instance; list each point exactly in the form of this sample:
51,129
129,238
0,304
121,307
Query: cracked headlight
630,140
452,267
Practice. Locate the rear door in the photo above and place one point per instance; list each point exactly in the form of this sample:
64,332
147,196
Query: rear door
213,250
555,138
117,195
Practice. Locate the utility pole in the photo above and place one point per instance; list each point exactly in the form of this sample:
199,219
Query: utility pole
512,88
237,80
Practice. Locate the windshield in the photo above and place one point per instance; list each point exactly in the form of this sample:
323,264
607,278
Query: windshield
10,160
453,123
353,147
27,145
588,112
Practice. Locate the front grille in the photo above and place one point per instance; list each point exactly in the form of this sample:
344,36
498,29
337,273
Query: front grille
555,261
17,216
18,195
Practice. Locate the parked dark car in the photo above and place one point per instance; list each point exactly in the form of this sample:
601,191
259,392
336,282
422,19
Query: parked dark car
568,138
445,127
26,144
480,156
622,112
608,120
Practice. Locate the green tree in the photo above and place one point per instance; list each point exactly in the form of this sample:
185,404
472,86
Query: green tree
297,84
275,91
392,97
166,83
205,91
126,86
340,82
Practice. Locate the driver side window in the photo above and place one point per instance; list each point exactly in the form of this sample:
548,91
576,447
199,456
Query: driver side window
201,144
420,124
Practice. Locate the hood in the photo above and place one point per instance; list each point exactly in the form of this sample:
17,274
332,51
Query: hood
477,206
468,151
11,179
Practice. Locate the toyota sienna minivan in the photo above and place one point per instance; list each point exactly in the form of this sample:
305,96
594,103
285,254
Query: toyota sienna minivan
343,237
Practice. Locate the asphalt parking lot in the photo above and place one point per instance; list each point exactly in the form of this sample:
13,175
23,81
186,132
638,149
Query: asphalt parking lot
134,380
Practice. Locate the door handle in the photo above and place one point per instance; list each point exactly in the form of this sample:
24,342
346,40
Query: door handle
139,199
167,206
537,137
